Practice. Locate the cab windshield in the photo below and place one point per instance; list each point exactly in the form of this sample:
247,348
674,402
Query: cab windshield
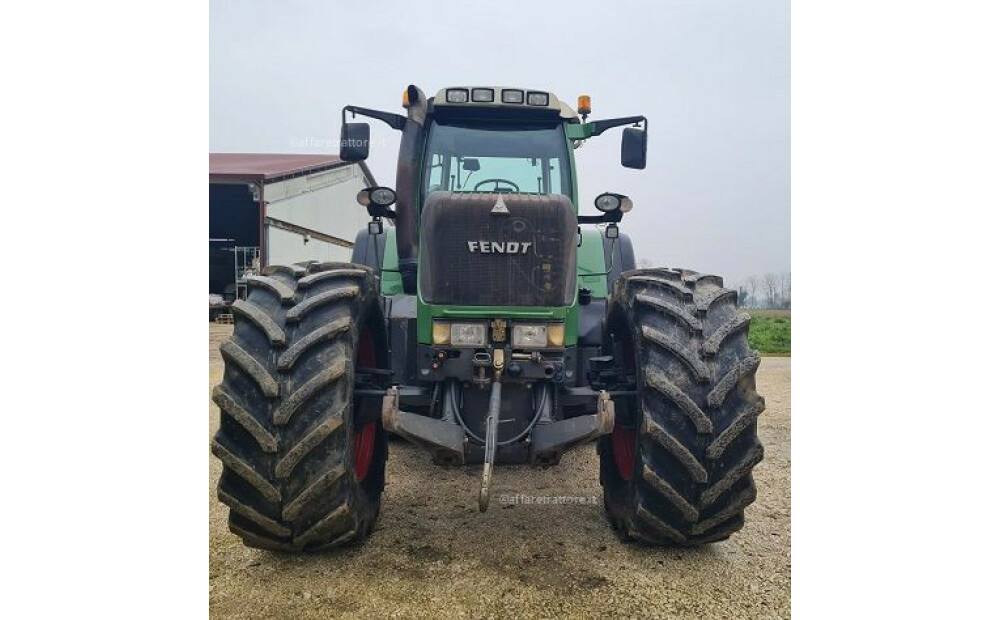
496,157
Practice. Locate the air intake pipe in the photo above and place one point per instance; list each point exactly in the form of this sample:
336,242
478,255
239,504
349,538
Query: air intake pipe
407,187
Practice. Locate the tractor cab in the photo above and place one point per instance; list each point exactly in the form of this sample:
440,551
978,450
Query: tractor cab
483,140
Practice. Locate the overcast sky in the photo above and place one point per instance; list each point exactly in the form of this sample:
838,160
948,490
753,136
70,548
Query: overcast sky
712,77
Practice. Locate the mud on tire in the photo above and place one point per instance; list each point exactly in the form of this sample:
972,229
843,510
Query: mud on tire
677,468
303,461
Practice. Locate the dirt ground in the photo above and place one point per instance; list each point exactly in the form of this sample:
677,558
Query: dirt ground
434,555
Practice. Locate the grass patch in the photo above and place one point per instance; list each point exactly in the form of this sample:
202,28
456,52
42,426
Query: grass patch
771,331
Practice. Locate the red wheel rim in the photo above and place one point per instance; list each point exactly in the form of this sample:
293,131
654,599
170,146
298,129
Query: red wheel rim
364,450
364,436
623,449
366,350
623,438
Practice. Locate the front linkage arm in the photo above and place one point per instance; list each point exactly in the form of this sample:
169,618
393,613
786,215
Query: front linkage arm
492,420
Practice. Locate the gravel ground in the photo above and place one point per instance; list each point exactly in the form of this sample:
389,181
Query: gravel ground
434,555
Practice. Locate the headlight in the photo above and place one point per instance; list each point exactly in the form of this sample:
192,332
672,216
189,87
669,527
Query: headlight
468,334
380,196
538,99
530,336
457,95
512,96
607,202
459,334
482,95
383,196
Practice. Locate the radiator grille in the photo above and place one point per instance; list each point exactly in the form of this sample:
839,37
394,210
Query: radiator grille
471,256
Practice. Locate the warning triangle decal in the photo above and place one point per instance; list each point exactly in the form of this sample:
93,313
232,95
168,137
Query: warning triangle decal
500,207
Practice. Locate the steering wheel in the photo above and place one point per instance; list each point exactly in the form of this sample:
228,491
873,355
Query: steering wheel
496,186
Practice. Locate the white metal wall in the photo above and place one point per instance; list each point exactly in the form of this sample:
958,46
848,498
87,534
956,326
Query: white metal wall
325,202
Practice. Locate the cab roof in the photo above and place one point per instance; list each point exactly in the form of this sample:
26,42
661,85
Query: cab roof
503,98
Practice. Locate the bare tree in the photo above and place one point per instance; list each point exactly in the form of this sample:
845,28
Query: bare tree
786,289
752,284
645,263
771,285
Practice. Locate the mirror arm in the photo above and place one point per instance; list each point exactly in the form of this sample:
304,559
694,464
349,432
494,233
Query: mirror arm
611,267
396,121
599,127
611,217
375,210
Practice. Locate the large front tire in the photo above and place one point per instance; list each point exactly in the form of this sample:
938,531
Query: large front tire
303,461
676,470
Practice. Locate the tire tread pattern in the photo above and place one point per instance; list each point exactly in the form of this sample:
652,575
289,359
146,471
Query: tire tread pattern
286,402
696,410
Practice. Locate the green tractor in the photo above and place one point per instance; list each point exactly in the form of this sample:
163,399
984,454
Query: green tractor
489,326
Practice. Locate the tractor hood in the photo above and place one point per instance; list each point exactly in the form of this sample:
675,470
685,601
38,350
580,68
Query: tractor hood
498,249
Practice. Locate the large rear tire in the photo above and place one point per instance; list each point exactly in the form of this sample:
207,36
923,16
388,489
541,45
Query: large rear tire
303,461
676,470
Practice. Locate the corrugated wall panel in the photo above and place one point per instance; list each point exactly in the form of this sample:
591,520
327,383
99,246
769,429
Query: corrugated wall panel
325,202
287,248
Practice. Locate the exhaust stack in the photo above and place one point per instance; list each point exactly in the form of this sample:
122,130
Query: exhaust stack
407,183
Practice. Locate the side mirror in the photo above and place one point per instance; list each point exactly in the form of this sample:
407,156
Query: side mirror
634,148
354,138
470,163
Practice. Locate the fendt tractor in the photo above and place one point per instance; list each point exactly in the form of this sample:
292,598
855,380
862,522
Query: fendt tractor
490,324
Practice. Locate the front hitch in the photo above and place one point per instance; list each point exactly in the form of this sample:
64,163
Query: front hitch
492,420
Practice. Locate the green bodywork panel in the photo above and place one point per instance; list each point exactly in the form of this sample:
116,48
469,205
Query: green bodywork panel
591,273
426,313
392,282
579,131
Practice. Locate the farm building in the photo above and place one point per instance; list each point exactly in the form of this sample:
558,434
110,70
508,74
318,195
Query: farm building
269,209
